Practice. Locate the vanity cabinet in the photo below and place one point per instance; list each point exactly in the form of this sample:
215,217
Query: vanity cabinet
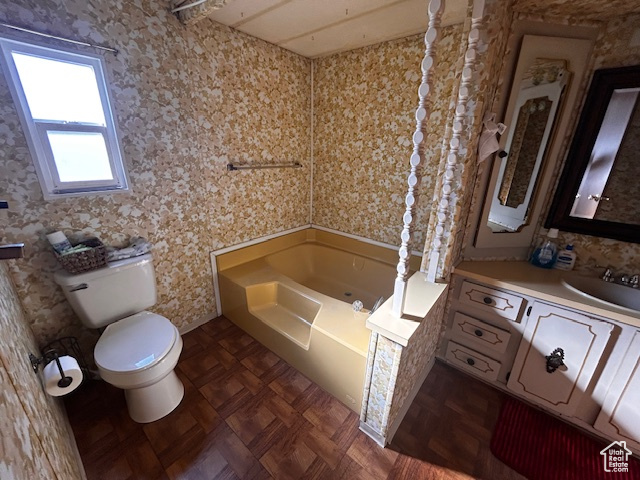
620,414
513,339
558,357
484,330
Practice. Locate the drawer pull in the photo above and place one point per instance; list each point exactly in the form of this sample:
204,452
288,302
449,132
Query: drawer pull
478,333
555,360
471,361
487,300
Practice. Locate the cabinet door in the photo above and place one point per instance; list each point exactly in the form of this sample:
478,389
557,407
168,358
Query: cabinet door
581,338
620,414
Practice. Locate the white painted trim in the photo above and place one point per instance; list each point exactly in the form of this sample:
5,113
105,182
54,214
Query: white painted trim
38,143
259,240
216,285
363,239
197,323
312,159
393,428
371,433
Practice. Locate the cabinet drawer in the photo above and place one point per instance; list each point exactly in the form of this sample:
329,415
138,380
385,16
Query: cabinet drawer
473,361
472,331
506,305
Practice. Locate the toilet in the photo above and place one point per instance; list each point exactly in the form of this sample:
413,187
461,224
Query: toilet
138,350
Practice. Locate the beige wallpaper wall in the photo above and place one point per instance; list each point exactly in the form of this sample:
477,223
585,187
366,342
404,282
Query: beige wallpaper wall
364,107
34,437
589,9
188,101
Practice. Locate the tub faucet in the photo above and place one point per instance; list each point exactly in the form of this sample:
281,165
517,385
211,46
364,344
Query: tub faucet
377,305
634,281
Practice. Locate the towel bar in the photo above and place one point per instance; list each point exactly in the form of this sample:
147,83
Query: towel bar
231,167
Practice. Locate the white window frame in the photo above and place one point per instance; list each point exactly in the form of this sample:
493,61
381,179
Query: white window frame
36,130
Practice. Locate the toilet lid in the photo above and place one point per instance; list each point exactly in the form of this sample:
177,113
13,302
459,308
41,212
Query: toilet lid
135,342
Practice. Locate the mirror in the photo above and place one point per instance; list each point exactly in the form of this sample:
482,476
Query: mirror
537,102
517,186
597,193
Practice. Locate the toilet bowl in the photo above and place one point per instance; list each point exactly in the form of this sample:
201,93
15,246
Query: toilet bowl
139,354
138,350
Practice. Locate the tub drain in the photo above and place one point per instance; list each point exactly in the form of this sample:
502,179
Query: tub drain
347,294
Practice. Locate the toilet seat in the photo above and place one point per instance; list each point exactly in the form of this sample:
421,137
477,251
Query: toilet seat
135,343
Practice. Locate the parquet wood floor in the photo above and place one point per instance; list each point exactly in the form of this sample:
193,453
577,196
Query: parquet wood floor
247,414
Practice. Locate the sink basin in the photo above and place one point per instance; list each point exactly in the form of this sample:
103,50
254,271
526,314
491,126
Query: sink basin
611,293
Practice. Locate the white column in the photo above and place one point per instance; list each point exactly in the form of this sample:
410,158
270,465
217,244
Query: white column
423,112
444,207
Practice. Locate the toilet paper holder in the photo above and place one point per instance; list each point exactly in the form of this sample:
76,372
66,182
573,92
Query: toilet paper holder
59,348
50,356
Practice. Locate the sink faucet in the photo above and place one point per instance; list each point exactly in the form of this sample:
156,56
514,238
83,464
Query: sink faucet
632,281
607,276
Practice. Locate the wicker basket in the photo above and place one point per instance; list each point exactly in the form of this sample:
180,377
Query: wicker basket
87,260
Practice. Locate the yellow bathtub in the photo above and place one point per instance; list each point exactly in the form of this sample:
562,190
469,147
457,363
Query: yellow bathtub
294,295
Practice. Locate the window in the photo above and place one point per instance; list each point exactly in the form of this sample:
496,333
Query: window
65,112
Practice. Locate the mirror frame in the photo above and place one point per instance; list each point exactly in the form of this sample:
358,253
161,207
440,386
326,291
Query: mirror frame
525,48
555,93
603,84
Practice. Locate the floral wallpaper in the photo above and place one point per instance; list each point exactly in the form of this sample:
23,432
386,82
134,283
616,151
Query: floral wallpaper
394,370
588,9
35,438
417,355
618,44
364,107
385,355
187,102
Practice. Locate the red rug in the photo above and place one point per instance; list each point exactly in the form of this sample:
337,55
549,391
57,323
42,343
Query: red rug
541,447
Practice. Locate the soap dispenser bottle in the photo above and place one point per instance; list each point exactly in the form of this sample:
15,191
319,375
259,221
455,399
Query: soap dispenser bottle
545,255
566,259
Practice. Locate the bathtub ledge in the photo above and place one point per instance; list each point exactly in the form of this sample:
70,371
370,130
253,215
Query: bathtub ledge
421,296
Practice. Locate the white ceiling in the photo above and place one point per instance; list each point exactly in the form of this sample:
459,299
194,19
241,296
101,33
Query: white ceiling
315,28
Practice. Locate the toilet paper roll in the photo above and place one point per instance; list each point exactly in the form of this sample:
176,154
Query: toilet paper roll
52,376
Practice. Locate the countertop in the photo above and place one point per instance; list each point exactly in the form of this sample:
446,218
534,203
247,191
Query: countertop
421,296
524,278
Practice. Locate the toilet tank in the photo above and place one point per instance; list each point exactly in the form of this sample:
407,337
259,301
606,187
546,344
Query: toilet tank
120,289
